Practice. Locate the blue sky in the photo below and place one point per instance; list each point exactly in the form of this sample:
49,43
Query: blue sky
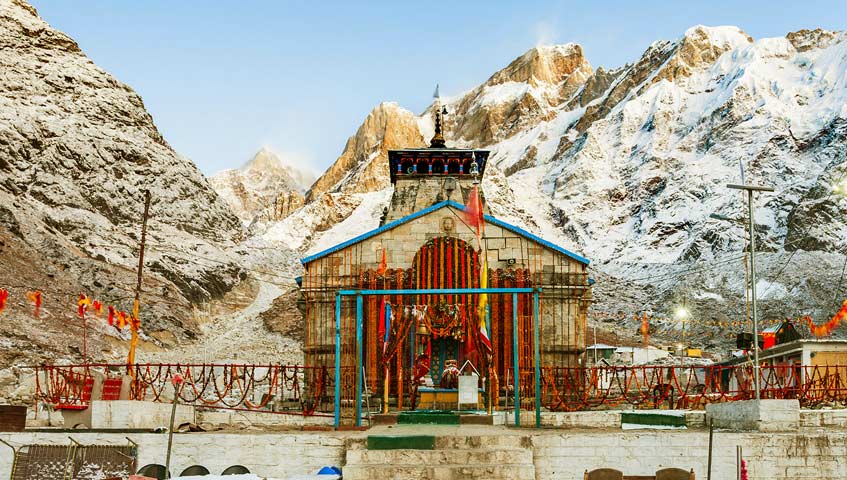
222,79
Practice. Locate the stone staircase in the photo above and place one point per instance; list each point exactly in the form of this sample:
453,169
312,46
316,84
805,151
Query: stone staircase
442,457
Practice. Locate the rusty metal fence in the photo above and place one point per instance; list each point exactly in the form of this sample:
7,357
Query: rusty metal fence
298,390
273,388
688,387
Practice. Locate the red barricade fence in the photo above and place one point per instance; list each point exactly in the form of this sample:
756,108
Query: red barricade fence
688,387
299,390
273,388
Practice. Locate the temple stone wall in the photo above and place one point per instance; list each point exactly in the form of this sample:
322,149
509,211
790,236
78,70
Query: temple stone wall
557,453
417,193
564,303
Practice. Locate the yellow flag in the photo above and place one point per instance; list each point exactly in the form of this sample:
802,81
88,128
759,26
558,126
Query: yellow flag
483,301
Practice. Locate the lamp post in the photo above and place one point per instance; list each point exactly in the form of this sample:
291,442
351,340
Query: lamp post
682,314
750,189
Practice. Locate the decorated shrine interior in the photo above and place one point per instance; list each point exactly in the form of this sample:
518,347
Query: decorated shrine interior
436,234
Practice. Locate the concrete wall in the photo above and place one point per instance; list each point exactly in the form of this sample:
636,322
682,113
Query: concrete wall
277,455
774,456
559,454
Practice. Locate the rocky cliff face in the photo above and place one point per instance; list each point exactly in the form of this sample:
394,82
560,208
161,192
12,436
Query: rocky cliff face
627,165
362,165
77,150
264,189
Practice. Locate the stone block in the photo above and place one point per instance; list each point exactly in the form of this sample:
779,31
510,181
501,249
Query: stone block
136,414
756,415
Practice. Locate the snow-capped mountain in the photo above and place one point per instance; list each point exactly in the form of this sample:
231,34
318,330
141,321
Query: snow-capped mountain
77,149
265,188
627,165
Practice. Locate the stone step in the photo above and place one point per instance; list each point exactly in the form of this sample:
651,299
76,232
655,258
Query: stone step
453,442
501,456
438,472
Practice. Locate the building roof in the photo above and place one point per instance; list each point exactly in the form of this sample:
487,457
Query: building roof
791,347
600,346
437,206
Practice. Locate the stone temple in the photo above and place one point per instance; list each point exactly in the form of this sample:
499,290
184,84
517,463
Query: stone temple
410,345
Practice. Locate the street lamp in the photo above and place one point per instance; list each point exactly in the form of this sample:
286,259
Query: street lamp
681,314
750,189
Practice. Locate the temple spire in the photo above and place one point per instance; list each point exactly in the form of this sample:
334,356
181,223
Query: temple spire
438,139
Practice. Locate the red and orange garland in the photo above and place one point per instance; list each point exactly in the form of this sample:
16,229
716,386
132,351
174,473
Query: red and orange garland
827,328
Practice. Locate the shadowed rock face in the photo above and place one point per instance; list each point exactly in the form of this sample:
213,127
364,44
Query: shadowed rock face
77,150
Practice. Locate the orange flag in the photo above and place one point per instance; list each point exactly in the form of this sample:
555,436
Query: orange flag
35,299
383,264
96,307
473,210
82,304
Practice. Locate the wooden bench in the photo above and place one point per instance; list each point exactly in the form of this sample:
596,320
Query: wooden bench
663,474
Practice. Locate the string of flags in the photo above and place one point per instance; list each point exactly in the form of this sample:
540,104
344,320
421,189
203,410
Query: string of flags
827,328
116,318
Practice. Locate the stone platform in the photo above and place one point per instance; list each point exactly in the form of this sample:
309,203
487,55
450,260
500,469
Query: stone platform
816,449
442,454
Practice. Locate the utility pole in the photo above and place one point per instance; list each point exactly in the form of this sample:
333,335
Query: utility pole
135,306
750,189
595,345
176,380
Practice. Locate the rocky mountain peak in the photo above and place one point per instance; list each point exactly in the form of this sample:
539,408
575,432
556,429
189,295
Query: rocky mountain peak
363,164
699,47
263,189
77,152
264,160
544,64
804,40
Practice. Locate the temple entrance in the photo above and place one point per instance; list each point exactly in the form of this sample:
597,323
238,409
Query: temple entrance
448,333
434,336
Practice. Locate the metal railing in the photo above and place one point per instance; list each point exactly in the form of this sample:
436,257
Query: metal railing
272,388
688,387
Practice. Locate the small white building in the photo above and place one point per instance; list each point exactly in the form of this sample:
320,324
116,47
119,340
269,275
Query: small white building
640,355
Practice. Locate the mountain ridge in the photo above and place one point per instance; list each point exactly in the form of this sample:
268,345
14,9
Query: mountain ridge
626,165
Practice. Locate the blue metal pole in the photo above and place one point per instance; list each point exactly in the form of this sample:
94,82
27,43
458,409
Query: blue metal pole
517,377
358,360
337,360
488,320
537,359
439,291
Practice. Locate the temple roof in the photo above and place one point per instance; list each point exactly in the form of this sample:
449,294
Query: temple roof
455,162
437,206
